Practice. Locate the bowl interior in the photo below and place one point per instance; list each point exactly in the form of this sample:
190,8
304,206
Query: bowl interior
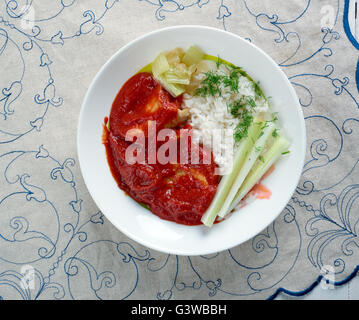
140,224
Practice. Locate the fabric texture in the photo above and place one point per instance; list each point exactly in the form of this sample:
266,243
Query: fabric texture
54,242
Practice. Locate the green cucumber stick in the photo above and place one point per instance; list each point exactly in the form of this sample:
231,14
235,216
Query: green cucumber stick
226,182
279,145
249,162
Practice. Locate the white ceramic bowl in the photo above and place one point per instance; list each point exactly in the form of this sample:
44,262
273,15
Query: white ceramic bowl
140,224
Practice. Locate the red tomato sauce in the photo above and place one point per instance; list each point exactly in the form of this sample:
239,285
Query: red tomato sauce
174,191
140,100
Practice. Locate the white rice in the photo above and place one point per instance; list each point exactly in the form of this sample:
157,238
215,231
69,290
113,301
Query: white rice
213,125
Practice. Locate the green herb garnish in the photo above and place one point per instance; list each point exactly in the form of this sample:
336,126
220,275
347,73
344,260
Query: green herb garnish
231,81
251,102
235,107
265,125
210,85
242,72
241,130
286,152
268,121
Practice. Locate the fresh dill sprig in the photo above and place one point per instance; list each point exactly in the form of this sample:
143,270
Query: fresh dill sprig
241,130
273,120
268,121
235,107
231,81
265,125
240,71
251,102
210,85
212,82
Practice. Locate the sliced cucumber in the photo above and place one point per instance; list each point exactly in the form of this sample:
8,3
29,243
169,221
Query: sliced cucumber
227,181
246,167
268,158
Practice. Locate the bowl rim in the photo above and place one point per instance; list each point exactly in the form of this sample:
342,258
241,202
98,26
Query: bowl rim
102,70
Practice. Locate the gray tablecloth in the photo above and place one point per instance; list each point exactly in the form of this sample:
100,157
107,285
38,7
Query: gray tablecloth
54,242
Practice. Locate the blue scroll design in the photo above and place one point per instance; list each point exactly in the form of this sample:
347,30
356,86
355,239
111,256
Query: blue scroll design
63,254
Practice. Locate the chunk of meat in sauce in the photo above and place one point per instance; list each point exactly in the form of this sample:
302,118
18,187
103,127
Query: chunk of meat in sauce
179,192
173,191
140,100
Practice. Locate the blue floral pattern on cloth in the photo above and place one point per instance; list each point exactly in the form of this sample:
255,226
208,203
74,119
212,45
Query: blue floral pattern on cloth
55,244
